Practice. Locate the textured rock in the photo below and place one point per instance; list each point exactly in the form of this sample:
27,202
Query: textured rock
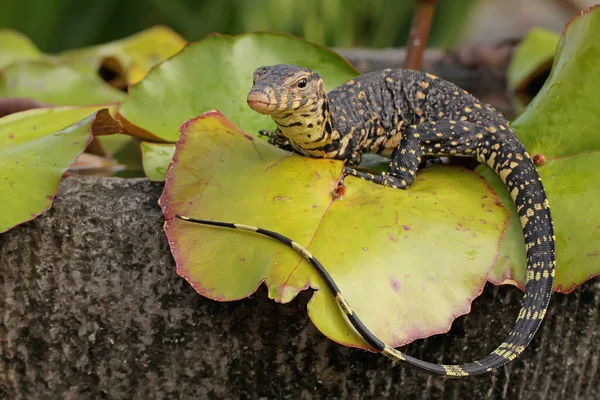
91,307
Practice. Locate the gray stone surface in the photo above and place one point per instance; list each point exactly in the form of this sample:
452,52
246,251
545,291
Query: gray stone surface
91,308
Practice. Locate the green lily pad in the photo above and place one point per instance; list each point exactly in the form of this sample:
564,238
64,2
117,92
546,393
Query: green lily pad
156,158
562,126
216,73
36,147
16,46
53,83
409,261
531,57
132,57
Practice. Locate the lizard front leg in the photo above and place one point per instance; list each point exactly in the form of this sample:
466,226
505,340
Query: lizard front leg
276,138
405,162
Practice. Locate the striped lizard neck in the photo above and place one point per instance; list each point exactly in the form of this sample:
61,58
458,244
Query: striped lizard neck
307,126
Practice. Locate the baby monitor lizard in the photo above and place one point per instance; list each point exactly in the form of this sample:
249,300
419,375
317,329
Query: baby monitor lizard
405,115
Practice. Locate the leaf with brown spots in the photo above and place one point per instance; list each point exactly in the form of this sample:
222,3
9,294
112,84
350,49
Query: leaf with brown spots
409,262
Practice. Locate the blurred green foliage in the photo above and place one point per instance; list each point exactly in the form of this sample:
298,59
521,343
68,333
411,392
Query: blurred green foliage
56,25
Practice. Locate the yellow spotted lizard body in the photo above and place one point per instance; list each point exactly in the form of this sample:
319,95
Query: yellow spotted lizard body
406,115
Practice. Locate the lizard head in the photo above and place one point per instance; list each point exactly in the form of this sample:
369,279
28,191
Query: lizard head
284,88
295,98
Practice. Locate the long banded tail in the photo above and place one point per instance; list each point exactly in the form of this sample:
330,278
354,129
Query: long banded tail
539,238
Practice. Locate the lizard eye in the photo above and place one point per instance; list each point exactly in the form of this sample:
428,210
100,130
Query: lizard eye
301,83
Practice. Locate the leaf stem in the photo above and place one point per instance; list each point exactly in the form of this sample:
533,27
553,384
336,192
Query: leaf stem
419,33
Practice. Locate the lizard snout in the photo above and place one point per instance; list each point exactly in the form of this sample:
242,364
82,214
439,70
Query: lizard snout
261,102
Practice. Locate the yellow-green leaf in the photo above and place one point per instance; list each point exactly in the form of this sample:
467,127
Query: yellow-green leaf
408,261
53,83
36,148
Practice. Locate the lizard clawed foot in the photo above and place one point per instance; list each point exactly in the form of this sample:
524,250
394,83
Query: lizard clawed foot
383,179
393,182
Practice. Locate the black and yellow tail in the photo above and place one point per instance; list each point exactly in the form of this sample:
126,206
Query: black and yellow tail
519,173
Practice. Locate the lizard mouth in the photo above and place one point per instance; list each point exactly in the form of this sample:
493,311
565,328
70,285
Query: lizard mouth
259,102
